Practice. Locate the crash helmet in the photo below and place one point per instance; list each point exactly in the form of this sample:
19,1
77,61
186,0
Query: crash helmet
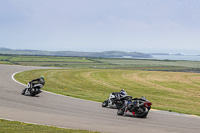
42,77
123,92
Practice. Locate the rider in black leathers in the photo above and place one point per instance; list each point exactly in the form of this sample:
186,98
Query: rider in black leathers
37,82
115,99
34,87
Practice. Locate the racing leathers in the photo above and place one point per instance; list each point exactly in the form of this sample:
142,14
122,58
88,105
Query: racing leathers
37,83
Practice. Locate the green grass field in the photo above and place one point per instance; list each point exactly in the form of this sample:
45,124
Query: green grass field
20,127
101,63
170,91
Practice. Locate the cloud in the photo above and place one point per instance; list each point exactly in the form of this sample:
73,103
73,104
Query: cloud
100,24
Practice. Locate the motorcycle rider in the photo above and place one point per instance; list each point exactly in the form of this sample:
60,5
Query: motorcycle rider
35,83
120,94
116,99
39,82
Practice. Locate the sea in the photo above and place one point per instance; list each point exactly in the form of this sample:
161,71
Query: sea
177,57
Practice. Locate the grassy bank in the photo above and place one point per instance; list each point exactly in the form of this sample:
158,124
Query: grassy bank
171,91
20,127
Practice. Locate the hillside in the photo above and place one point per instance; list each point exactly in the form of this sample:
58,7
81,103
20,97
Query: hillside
106,54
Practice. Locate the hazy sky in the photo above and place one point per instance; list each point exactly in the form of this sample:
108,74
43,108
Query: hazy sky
101,25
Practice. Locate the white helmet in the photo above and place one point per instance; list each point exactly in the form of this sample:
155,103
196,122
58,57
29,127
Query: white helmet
123,92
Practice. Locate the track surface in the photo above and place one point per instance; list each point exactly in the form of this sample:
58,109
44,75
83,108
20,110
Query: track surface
62,111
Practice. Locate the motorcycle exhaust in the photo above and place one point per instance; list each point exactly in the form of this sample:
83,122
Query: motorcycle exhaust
145,104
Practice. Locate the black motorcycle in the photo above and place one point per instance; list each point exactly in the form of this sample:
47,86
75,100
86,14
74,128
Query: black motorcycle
138,107
32,90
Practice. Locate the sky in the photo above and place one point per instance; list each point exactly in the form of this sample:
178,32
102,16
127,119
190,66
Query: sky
171,26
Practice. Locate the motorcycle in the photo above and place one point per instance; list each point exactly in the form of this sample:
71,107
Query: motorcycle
115,100
138,107
32,90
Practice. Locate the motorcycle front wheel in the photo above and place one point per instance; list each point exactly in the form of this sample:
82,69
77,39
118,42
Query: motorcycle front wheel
120,111
105,103
142,114
23,91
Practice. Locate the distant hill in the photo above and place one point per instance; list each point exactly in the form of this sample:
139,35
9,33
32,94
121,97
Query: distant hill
158,53
106,54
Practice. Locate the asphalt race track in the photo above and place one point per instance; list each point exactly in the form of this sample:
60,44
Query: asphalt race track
62,111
